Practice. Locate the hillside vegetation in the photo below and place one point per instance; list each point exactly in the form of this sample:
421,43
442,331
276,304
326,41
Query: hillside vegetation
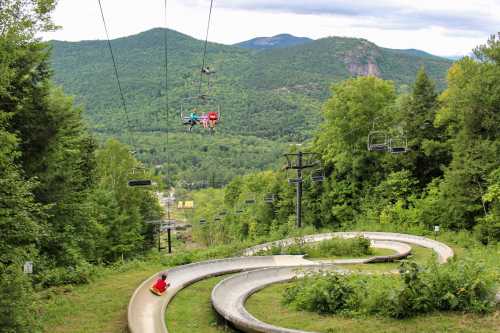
272,94
275,95
450,175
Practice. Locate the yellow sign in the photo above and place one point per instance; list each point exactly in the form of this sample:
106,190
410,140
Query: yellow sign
185,204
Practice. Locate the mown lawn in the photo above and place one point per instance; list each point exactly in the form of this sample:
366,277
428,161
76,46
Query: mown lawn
266,306
191,310
100,306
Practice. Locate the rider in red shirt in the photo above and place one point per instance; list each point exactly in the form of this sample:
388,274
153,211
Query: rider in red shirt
213,118
162,284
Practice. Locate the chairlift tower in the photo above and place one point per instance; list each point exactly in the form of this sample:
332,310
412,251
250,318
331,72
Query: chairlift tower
169,224
299,162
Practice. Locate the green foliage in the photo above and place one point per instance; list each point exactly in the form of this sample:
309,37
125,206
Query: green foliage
275,96
57,208
326,295
462,285
335,247
17,301
447,178
80,274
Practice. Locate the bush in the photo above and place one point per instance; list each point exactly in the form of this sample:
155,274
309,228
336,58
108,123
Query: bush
357,246
343,247
462,285
328,294
80,274
488,229
16,302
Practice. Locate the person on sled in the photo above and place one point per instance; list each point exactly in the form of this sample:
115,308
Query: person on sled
161,285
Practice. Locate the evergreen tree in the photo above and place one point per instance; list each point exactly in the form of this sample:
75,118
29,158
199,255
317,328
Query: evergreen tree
428,152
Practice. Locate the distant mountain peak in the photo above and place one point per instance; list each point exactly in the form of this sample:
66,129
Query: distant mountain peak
278,41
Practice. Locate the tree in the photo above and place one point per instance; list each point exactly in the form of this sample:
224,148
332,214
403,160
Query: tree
121,211
471,117
428,151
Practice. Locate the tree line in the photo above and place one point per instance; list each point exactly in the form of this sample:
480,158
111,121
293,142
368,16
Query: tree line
64,200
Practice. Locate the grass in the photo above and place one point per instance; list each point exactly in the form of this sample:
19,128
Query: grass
266,306
100,306
191,310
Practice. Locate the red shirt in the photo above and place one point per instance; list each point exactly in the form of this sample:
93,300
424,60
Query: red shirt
213,115
161,285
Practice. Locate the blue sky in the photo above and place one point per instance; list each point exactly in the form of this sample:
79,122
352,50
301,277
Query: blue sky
443,27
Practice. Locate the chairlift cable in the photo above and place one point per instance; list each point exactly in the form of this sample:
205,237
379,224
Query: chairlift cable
205,46
117,76
167,108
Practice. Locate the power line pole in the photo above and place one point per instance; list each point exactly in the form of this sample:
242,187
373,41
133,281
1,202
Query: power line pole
298,206
296,162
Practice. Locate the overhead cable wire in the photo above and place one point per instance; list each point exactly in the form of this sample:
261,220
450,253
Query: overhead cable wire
167,107
117,76
205,45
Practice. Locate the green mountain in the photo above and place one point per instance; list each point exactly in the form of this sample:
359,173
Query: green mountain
278,41
274,95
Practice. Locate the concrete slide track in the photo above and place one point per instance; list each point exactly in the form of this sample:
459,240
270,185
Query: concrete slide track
229,295
146,312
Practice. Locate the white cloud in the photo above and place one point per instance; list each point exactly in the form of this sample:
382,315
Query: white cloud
441,27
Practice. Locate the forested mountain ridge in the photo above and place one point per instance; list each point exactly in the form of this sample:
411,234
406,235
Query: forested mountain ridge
268,99
272,94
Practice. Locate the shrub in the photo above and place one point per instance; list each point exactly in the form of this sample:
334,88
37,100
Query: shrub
357,246
327,294
462,285
488,229
80,274
16,302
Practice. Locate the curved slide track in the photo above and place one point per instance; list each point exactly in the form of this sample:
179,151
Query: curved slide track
146,312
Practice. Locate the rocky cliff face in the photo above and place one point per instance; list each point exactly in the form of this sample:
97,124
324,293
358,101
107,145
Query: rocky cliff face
361,61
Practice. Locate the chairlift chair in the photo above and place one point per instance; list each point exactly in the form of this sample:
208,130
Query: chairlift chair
139,182
378,141
270,198
207,70
201,105
398,145
318,175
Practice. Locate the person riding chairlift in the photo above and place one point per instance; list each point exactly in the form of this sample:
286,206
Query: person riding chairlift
206,70
213,117
193,119
204,120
